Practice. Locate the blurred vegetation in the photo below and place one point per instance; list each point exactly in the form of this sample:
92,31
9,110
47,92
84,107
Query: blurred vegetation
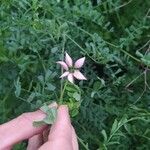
113,35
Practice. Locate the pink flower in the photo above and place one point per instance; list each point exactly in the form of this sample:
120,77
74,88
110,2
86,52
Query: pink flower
72,71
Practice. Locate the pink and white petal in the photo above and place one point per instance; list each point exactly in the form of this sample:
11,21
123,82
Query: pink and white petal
64,74
79,63
68,60
70,77
78,75
63,64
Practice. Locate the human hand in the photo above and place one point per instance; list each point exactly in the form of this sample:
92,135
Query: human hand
61,136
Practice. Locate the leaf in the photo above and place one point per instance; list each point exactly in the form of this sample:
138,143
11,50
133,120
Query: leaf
70,89
31,97
77,96
104,135
41,79
97,85
51,114
147,57
18,87
73,88
48,75
114,126
54,50
44,108
139,54
112,143
122,121
74,112
50,87
58,1
93,94
119,134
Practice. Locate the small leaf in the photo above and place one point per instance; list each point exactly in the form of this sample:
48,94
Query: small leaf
70,94
31,97
77,96
18,87
104,135
48,75
122,121
128,128
54,50
145,61
50,87
44,108
114,126
139,54
41,79
147,57
93,94
74,112
51,114
120,134
70,89
112,143
97,85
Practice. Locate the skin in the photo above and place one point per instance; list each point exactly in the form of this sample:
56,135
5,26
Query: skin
61,135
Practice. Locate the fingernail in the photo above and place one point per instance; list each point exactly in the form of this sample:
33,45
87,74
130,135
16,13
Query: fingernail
64,109
63,113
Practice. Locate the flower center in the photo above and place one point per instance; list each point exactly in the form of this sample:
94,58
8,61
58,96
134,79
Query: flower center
71,69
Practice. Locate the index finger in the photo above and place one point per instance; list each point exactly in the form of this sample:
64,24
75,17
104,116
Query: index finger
21,128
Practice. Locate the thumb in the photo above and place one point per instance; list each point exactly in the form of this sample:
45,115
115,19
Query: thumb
62,128
60,136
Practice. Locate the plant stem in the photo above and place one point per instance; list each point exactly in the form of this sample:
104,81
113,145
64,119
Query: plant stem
62,93
63,50
82,143
81,48
42,63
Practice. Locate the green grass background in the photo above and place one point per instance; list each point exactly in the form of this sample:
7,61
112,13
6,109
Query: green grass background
113,35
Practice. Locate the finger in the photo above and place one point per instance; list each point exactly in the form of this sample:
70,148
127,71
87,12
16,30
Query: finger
62,127
35,142
21,128
60,136
74,140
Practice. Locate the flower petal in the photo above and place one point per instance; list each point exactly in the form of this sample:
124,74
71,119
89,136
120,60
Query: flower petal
70,77
68,60
77,74
63,64
79,63
64,74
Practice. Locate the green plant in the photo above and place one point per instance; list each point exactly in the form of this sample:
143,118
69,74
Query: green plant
113,35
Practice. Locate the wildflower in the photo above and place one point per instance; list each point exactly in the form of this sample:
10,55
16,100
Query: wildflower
72,70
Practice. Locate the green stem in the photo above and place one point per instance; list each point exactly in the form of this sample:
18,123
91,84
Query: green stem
63,50
131,56
42,63
81,48
62,93
82,143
